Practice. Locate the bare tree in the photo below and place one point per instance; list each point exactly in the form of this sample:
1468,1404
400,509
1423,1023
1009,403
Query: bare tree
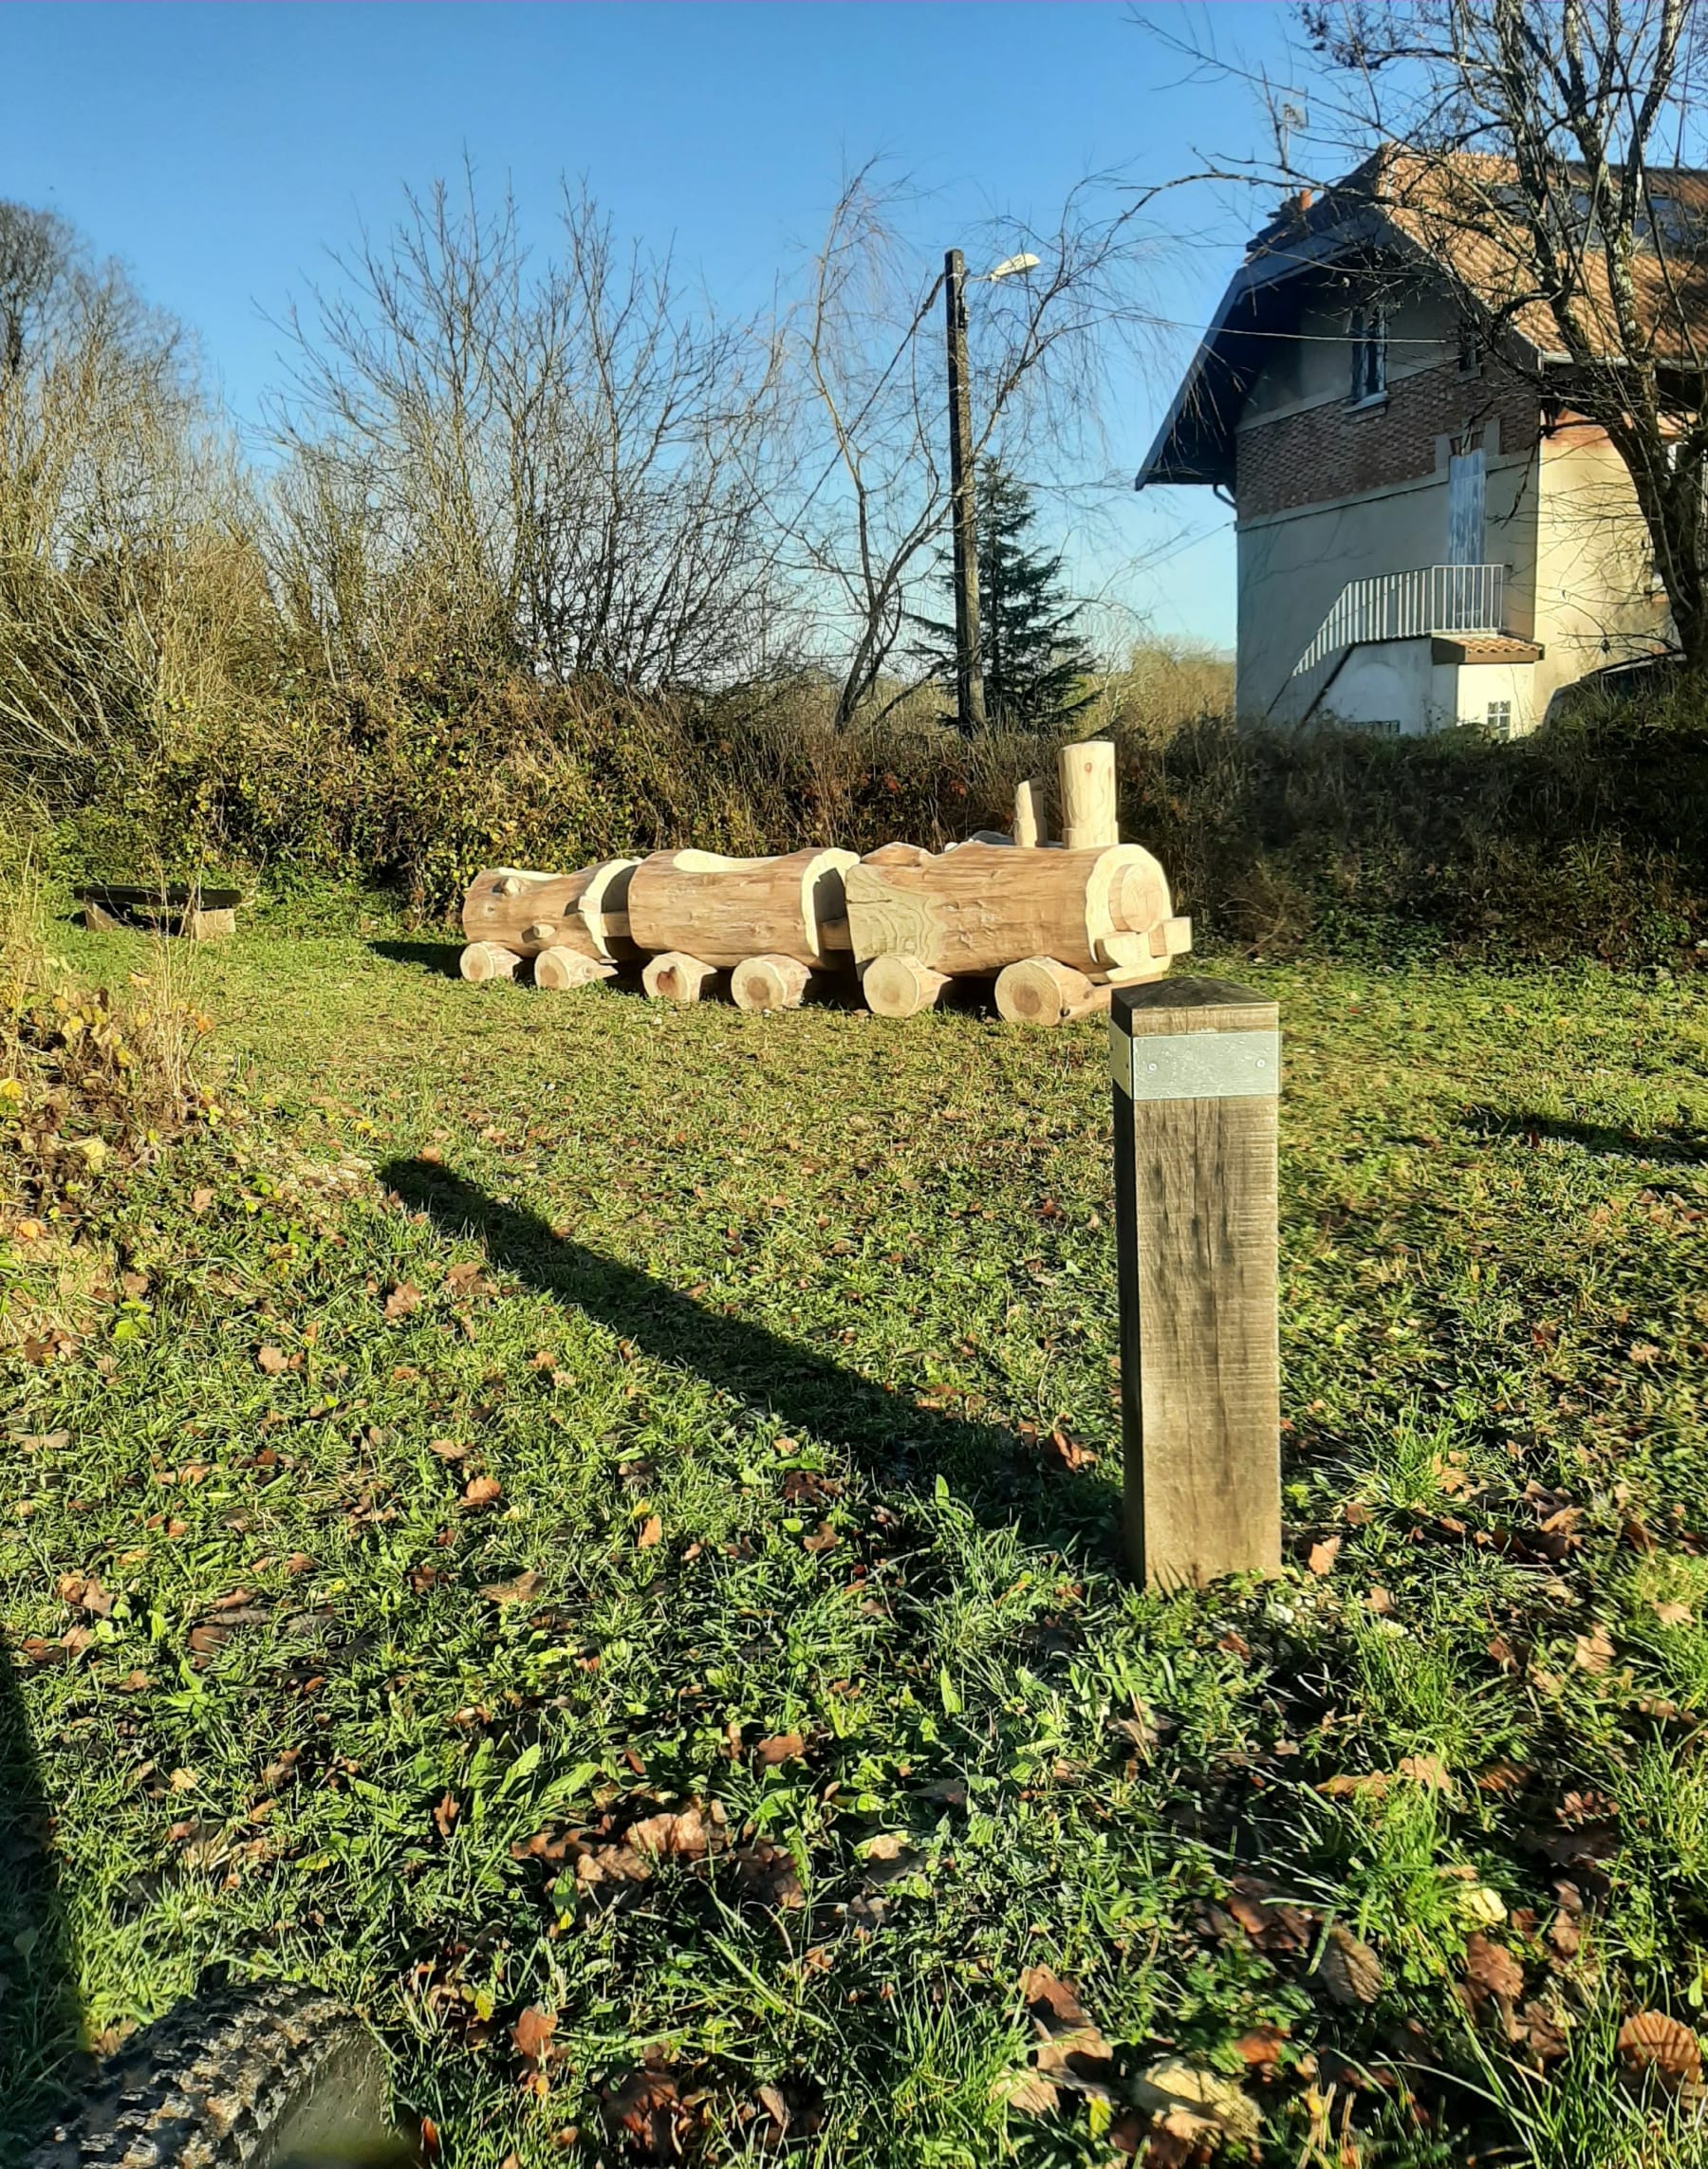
871,498
116,500
563,465
1548,153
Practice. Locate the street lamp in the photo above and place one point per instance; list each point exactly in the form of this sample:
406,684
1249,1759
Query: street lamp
968,673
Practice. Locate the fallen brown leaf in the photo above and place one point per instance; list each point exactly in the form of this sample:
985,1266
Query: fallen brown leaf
646,2108
683,1836
1594,1652
888,1858
652,1531
87,1594
1261,2045
518,1591
1267,1919
1428,1771
1051,2003
1655,2041
768,1872
482,1491
1349,1970
1197,2104
783,1746
1321,1556
1351,1784
532,2034
1491,1970
1028,2091
1675,1615
445,1814
401,1300
269,1360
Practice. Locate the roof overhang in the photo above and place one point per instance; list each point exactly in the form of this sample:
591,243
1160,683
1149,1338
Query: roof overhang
1195,442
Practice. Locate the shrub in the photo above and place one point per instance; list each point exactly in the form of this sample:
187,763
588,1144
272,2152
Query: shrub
1587,839
91,1078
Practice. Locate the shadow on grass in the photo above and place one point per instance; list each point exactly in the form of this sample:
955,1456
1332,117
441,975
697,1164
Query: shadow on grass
41,2025
880,1429
439,957
1683,1147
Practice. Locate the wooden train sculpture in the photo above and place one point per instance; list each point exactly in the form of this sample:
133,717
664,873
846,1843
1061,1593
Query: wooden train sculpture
1054,925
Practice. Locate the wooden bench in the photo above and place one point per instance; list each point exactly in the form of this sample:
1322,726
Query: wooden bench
170,907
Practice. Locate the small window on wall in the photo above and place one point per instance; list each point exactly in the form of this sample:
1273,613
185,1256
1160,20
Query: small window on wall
1500,718
1367,328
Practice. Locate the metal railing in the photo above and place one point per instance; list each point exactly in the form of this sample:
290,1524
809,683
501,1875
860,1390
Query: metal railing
1402,606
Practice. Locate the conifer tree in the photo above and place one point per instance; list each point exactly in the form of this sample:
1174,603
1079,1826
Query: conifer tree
1033,659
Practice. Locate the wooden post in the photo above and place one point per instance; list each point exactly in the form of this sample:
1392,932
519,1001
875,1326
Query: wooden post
969,668
1087,774
1197,1070
1030,829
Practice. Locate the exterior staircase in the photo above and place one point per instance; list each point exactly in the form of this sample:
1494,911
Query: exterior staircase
1429,600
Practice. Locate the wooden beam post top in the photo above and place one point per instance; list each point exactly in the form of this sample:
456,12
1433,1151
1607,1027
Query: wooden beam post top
1177,1004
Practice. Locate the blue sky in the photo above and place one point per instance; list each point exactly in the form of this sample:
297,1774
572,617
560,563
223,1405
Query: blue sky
220,150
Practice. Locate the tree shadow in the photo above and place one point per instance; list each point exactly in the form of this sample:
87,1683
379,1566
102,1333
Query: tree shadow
437,957
41,2021
1684,1146
1005,1482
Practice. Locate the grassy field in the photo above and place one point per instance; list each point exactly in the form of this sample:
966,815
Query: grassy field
589,1530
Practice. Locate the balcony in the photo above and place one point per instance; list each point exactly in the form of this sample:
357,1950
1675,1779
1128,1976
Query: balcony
1410,605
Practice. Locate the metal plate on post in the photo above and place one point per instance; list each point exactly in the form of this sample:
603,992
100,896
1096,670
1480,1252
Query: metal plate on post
1195,1064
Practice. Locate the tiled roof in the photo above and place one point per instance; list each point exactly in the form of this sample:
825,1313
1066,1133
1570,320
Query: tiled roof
1458,213
1484,648
1452,216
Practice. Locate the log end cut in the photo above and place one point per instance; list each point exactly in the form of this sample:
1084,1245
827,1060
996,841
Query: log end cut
486,960
1039,990
769,983
901,986
565,969
677,977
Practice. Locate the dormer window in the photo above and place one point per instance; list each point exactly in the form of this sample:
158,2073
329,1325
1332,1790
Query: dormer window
1367,328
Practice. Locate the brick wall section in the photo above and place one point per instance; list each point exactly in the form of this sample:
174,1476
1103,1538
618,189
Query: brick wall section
1330,450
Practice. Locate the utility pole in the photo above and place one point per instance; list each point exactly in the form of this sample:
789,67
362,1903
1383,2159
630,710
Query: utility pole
969,670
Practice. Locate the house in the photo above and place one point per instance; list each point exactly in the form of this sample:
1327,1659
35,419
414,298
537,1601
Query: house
1426,532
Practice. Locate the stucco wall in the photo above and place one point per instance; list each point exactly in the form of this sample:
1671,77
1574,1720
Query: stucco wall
1329,493
1593,603
1385,684
1479,686
1292,566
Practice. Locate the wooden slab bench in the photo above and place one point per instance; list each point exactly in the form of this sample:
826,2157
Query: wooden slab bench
170,907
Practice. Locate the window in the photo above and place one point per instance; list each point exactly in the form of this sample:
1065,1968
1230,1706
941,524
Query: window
1500,718
1367,330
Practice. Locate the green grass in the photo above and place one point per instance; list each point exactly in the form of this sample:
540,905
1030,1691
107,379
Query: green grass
700,1291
